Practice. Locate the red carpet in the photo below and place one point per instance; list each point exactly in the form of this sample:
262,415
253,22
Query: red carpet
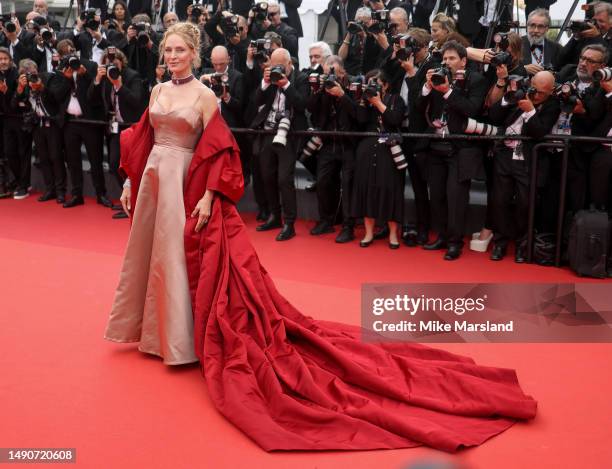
64,386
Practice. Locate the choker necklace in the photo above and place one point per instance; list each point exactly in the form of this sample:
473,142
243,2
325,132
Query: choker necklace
182,81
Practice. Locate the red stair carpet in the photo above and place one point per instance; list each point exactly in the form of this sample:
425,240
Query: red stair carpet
62,385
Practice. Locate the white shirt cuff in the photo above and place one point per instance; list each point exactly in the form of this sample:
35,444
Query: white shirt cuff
264,85
287,85
425,91
504,103
608,95
15,43
448,93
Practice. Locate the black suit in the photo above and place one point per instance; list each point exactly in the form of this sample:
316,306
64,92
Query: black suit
277,163
289,36
76,133
452,166
293,17
551,52
102,5
601,164
23,49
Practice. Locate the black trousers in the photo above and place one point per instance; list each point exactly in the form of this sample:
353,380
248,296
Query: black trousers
48,141
510,186
76,134
577,179
277,166
18,151
601,177
114,157
449,195
334,160
418,173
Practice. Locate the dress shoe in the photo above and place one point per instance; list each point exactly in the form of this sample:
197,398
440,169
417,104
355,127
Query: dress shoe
60,199
76,200
49,195
271,223
422,237
103,200
439,243
498,253
346,235
382,233
119,215
286,233
394,245
117,207
311,187
520,256
365,244
410,239
262,215
322,227
452,253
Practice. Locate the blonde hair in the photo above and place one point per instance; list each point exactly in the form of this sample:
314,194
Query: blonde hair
190,33
447,23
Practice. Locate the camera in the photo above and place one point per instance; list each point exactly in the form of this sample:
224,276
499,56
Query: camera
30,121
219,83
579,26
410,46
603,74
393,141
355,27
112,25
142,36
229,26
197,10
329,80
480,128
518,88
262,47
567,94
260,11
312,146
284,123
439,74
502,58
71,61
55,60
380,20
32,77
356,87
276,74
113,72
371,89
8,22
501,41
46,34
89,18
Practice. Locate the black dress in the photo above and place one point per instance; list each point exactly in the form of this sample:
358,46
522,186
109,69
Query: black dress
378,186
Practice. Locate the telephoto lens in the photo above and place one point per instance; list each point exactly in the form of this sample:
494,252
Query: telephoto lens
398,157
312,146
113,72
480,128
276,74
281,134
603,74
437,78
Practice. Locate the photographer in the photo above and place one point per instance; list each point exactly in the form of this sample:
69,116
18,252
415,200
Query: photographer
281,100
17,40
142,50
119,91
584,33
506,61
44,51
69,88
360,50
538,50
332,109
588,111
39,111
450,95
41,7
407,66
529,112
273,23
380,167
17,141
88,35
6,70
230,31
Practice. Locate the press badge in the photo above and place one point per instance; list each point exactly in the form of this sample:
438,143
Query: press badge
517,153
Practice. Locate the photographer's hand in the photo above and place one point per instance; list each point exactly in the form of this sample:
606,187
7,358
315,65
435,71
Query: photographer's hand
82,70
382,40
408,66
336,90
95,33
579,107
282,82
502,72
131,33
101,73
532,69
606,85
376,101
428,75
526,105
118,83
22,83
3,87
68,73
266,75
593,31
444,87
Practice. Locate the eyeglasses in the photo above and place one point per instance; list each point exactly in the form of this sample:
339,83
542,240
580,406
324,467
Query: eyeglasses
537,26
589,61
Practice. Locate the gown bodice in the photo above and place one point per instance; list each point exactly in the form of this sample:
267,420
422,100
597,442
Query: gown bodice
179,127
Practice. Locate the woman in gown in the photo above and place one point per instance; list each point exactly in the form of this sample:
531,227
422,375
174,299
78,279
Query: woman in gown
191,278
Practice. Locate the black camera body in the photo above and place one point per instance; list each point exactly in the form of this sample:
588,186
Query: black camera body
502,58
501,41
9,24
260,11
439,75
355,27
142,37
229,26
329,80
219,83
410,46
32,77
263,49
197,10
89,18
277,73
568,96
371,89
577,27
71,61
518,88
380,20
113,72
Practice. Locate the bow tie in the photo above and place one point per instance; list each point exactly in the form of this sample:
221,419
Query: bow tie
540,47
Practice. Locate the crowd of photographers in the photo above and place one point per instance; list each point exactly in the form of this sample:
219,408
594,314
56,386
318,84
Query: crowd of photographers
395,70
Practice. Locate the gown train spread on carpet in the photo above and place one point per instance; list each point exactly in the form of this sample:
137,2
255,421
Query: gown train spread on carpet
288,381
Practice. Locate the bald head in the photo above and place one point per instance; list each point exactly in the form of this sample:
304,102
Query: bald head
219,58
544,83
280,57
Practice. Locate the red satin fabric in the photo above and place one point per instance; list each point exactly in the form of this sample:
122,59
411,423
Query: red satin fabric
290,382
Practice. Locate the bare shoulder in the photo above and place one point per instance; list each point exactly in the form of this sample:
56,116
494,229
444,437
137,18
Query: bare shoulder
154,93
208,102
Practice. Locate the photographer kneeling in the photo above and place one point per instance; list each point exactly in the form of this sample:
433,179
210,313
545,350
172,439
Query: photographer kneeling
529,111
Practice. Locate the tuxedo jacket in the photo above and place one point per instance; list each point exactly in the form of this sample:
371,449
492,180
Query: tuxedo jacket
48,102
551,52
130,95
293,17
232,111
296,96
61,87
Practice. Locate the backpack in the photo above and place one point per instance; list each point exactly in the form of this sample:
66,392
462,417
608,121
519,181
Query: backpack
589,243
